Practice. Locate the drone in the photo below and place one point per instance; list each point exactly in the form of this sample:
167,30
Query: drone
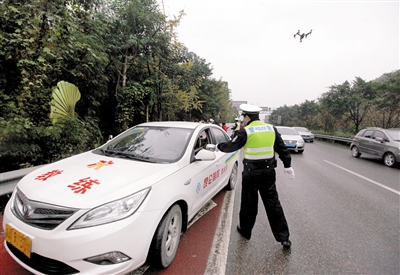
303,35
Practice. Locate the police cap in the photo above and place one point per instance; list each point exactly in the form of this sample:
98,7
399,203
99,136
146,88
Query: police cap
248,109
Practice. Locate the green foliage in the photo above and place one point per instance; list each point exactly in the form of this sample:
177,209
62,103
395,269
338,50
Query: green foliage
21,142
65,96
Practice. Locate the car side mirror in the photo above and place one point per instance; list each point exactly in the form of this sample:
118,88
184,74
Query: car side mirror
211,147
379,139
204,155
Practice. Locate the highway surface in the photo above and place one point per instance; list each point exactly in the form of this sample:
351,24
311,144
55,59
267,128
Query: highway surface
343,214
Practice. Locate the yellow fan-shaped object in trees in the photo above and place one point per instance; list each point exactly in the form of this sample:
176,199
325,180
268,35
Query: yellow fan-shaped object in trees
65,96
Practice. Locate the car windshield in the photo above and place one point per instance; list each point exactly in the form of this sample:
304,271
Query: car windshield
287,131
394,134
301,129
149,144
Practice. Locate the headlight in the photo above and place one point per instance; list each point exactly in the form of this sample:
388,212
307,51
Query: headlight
112,211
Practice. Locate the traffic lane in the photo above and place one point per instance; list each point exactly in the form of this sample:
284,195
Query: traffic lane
339,223
369,167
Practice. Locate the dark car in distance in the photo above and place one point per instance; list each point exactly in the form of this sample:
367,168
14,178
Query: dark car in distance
377,142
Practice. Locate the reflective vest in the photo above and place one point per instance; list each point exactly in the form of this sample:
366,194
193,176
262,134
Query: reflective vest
237,126
260,141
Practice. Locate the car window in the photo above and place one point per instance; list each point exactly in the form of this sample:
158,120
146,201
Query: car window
287,131
202,140
155,144
301,129
368,134
379,134
219,135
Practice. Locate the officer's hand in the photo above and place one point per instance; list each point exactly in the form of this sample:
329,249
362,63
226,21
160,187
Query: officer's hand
289,172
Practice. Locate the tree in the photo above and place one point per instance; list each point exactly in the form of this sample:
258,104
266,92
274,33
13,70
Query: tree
385,109
351,101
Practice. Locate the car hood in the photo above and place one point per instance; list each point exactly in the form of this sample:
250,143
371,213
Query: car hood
291,137
305,133
88,180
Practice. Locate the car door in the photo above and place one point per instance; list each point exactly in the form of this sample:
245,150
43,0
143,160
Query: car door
378,146
225,161
205,175
366,141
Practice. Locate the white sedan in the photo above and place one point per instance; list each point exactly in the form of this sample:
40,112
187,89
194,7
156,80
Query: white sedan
110,210
292,139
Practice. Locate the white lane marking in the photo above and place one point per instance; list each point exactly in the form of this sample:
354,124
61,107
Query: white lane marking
216,263
367,179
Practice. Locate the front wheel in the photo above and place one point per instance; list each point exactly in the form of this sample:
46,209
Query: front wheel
166,239
233,178
355,152
389,159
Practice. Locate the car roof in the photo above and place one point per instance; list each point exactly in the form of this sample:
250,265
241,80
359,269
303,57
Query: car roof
176,124
379,128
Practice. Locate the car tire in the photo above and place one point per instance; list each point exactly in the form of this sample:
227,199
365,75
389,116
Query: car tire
233,178
355,152
389,160
166,239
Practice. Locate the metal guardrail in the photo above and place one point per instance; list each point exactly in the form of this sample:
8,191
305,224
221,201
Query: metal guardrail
8,180
341,140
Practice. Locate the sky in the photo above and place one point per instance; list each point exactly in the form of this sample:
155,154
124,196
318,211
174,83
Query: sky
250,44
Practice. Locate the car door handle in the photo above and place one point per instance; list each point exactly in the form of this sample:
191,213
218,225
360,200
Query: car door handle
187,183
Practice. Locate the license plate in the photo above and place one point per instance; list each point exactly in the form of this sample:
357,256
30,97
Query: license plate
20,241
290,145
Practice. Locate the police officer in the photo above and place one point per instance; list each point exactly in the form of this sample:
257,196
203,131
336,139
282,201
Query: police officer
260,141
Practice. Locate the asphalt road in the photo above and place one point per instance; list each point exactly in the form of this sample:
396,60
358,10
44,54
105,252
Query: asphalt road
343,215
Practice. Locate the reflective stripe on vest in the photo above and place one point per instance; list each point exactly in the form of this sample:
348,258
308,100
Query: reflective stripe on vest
260,141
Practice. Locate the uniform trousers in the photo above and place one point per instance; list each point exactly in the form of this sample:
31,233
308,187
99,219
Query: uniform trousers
260,177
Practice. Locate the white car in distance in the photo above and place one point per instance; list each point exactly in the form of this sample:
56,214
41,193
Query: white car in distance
292,139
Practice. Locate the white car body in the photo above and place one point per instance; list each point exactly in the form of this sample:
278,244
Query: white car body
293,141
92,179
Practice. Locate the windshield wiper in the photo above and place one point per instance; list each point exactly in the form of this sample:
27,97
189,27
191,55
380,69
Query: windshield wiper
113,153
136,157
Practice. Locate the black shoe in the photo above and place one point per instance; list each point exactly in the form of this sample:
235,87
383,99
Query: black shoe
286,244
244,235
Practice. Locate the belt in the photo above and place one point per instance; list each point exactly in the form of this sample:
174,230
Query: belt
264,163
